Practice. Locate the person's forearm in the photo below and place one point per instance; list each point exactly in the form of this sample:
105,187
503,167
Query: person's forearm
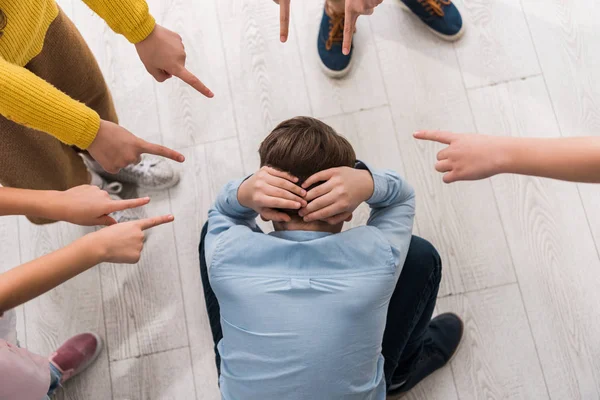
36,277
34,203
29,100
572,159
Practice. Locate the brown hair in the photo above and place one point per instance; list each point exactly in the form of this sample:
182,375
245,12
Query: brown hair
303,146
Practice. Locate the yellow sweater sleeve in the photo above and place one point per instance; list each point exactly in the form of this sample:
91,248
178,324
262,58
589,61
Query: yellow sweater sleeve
31,101
129,18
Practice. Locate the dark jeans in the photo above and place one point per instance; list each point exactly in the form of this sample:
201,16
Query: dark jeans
409,313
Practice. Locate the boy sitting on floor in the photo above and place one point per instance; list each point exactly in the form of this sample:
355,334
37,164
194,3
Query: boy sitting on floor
308,311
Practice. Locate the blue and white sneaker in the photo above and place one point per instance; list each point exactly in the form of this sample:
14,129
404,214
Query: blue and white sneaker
329,44
441,17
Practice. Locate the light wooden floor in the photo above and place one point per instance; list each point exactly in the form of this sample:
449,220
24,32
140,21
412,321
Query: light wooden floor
520,254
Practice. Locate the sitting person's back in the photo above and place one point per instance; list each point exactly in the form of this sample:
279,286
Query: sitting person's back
303,310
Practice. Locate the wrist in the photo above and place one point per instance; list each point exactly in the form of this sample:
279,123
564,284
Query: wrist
49,204
506,156
93,248
244,195
367,185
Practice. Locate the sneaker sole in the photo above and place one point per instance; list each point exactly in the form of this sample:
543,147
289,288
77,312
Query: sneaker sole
447,38
462,335
336,74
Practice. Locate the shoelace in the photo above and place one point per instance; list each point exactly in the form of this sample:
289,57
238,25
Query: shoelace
336,29
434,7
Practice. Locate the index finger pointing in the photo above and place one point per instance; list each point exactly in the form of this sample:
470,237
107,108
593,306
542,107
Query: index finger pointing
284,19
436,136
119,205
158,150
193,81
155,221
349,25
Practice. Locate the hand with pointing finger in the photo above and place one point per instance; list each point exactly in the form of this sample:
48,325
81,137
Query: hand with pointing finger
88,205
354,9
163,55
284,19
468,156
115,147
123,243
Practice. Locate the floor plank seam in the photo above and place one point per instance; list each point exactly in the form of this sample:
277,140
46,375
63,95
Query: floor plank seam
478,290
183,299
231,94
112,393
503,82
345,113
21,262
147,354
303,69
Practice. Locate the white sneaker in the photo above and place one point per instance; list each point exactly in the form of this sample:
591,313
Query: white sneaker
114,189
152,172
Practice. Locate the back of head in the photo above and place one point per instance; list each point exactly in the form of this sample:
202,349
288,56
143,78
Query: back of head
303,146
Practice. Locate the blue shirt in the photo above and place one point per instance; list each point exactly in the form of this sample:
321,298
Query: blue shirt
302,312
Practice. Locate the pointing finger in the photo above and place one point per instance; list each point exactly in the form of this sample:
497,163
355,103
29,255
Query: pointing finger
349,25
193,81
436,136
154,221
119,205
158,150
284,19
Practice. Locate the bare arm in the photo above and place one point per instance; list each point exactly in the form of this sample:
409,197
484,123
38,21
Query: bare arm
30,280
570,159
473,156
82,205
120,243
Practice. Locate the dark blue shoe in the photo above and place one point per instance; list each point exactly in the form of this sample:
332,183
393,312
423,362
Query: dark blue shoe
441,342
441,17
329,44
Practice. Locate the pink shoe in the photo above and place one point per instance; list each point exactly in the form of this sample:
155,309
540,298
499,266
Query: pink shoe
76,354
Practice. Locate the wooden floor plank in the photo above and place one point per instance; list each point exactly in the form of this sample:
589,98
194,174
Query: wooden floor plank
551,244
162,376
73,307
564,34
496,46
186,116
267,83
497,357
143,302
210,167
366,130
422,97
11,257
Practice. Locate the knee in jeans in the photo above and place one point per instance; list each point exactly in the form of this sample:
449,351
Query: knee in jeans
424,259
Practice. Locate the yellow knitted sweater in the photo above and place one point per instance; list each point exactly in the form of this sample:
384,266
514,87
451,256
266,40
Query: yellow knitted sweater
29,100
